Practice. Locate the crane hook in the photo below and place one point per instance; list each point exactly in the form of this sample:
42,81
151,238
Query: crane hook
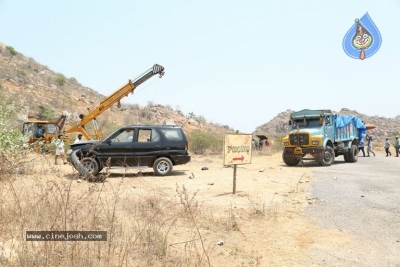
119,104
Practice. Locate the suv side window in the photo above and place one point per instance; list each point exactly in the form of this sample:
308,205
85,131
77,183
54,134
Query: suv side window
124,136
144,135
172,134
155,136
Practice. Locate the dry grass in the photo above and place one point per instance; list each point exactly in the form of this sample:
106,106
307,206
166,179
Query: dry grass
137,228
138,224
145,225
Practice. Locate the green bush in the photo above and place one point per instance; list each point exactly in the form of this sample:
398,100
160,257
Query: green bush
11,138
60,80
12,50
47,113
201,142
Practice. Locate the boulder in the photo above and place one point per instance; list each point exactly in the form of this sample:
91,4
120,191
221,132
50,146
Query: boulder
169,122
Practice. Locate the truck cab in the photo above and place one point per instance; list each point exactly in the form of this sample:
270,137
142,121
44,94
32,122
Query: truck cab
321,136
30,129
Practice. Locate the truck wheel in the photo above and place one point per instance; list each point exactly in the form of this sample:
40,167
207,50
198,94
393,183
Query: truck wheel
90,165
353,153
346,157
328,156
162,166
290,160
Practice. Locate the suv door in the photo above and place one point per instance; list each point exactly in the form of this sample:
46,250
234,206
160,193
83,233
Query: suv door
149,145
119,147
175,141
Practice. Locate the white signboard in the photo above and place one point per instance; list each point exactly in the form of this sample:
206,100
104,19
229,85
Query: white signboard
237,149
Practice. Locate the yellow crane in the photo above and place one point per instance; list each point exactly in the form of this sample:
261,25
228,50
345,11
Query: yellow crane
110,101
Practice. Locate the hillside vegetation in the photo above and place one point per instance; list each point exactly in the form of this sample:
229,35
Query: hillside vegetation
42,93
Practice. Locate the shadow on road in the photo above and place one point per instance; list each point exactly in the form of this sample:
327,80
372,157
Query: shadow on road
314,164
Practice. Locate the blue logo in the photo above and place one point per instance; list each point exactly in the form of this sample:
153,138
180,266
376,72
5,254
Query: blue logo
363,39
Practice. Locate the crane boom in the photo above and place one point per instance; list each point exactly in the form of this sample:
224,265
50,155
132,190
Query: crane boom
111,100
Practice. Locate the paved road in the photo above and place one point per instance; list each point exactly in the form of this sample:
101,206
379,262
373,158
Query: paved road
362,200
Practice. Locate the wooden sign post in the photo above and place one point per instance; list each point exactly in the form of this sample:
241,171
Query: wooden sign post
237,150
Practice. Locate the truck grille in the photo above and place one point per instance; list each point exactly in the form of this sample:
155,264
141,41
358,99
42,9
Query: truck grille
299,139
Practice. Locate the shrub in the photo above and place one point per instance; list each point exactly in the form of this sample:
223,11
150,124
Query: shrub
20,71
11,138
60,80
201,120
12,50
201,142
47,113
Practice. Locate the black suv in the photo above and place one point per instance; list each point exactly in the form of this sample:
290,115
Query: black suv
136,147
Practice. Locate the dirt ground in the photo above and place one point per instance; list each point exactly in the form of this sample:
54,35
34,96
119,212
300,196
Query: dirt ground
260,225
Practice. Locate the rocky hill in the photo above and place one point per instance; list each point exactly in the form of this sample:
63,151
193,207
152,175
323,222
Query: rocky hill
385,127
43,93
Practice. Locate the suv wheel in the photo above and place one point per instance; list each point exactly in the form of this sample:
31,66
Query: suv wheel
90,164
162,166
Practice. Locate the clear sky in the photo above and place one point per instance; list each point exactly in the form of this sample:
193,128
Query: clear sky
238,63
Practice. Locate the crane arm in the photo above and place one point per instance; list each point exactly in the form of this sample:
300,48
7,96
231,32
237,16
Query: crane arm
113,99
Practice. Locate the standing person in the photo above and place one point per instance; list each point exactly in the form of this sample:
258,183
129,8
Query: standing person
387,145
261,144
79,139
59,149
397,146
361,146
369,144
257,144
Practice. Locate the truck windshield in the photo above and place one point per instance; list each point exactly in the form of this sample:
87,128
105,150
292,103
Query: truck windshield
308,123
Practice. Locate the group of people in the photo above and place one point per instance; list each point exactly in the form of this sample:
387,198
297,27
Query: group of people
259,144
361,145
386,146
60,147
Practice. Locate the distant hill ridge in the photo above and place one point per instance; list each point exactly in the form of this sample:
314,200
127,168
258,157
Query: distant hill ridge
35,85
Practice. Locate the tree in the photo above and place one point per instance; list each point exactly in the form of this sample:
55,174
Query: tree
11,138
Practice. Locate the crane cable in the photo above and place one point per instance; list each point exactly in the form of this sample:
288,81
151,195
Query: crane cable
142,88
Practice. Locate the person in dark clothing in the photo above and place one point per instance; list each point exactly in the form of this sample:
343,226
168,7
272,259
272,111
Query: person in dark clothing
387,145
39,133
397,146
261,144
361,146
